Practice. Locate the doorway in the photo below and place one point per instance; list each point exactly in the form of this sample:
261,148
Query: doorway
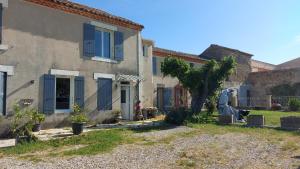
125,102
181,99
160,98
63,94
3,79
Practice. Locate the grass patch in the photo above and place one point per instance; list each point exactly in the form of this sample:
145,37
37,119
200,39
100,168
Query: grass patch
290,146
272,118
163,126
186,163
274,135
93,143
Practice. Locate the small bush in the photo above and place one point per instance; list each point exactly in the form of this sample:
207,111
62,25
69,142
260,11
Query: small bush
177,116
211,105
294,104
202,118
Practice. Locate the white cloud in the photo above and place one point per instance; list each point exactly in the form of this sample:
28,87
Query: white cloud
297,39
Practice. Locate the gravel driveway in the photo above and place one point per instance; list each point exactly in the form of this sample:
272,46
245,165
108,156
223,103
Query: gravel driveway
198,151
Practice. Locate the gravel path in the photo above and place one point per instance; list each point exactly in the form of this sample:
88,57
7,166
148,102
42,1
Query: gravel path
199,151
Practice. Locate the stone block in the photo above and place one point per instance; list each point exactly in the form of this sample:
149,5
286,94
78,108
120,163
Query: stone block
255,121
226,119
290,123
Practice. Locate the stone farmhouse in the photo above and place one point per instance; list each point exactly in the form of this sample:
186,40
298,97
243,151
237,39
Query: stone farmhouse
57,53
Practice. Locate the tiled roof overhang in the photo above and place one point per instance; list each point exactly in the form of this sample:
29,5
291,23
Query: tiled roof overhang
75,8
169,53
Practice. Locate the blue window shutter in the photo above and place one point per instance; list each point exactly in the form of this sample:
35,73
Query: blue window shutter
109,95
167,97
119,49
79,91
49,94
154,65
104,96
88,40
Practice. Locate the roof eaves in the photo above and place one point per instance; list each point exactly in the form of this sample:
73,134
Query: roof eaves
233,50
171,53
97,14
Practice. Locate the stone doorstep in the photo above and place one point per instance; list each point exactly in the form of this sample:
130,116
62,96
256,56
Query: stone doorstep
7,143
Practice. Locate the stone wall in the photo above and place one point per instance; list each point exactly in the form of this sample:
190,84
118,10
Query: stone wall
259,66
262,82
243,60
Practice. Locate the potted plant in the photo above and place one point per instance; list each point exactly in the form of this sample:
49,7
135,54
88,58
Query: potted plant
78,120
22,125
37,118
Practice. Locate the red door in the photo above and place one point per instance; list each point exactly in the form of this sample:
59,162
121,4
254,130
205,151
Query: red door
180,97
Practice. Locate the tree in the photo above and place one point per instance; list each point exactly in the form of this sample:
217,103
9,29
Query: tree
202,82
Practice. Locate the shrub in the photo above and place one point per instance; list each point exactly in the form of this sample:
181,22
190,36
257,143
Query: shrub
78,116
211,105
36,116
22,123
177,116
202,118
294,104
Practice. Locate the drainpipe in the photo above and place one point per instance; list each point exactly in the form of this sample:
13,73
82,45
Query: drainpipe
140,66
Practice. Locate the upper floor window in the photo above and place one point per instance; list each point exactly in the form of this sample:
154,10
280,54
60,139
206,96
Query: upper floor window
103,43
154,65
145,50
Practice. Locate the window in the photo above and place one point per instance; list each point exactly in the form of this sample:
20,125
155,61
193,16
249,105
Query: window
103,44
192,65
63,93
123,96
3,77
154,66
145,50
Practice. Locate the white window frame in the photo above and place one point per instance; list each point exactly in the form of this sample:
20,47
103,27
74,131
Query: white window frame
8,69
68,74
72,94
104,75
111,33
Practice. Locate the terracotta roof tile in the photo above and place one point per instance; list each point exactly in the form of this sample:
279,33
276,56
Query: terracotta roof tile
93,13
170,53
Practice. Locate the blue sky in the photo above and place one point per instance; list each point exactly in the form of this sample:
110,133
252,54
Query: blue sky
269,29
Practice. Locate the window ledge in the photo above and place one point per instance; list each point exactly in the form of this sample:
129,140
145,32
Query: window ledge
3,48
99,59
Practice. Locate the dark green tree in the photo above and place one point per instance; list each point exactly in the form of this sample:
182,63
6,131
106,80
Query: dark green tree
202,82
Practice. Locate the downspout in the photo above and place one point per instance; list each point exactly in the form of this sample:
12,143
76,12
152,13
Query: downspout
140,66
